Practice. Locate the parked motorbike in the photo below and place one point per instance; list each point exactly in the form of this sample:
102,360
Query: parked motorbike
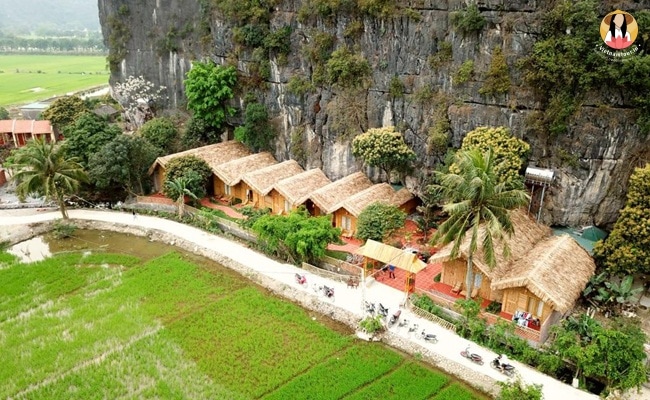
383,311
505,369
301,279
370,308
413,328
328,292
472,356
403,323
429,337
394,317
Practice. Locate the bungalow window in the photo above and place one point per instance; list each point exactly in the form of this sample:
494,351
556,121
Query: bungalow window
226,189
287,206
535,306
346,223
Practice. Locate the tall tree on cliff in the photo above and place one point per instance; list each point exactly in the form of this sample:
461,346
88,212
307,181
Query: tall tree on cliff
44,168
383,148
475,196
627,249
208,88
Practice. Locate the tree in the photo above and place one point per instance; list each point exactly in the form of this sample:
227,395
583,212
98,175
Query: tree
138,97
517,390
198,133
208,88
257,132
383,148
87,135
509,151
614,355
65,111
379,220
4,114
475,196
191,167
123,163
44,168
180,187
297,236
627,249
161,132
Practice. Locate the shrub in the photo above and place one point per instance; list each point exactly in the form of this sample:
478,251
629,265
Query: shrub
161,132
347,69
494,307
468,20
378,221
442,56
299,85
465,72
517,390
497,79
252,214
63,230
196,170
396,88
257,131
372,324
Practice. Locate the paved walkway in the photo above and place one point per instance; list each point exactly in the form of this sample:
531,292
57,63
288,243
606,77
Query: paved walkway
449,344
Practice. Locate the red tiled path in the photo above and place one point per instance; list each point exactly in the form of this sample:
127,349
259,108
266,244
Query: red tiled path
205,202
350,246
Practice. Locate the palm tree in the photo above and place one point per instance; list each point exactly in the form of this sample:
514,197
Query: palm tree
43,168
475,196
179,186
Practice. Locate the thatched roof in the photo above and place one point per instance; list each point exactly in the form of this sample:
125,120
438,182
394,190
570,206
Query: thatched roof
381,192
330,198
213,154
391,255
232,172
262,180
527,234
297,189
556,271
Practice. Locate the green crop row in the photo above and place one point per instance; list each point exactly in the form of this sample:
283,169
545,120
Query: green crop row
455,391
340,374
410,381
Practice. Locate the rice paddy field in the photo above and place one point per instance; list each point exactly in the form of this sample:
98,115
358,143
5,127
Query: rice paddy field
98,325
27,78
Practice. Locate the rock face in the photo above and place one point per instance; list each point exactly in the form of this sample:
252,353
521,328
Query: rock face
592,162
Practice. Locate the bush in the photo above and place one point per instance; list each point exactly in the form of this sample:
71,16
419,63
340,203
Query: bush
191,167
442,56
517,390
299,85
494,307
257,131
465,72
469,20
378,221
372,324
63,230
396,88
161,132
497,79
347,69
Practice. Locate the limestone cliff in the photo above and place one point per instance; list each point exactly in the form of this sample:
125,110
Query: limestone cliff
415,85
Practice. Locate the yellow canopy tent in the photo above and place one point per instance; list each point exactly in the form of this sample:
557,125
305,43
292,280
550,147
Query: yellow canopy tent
391,255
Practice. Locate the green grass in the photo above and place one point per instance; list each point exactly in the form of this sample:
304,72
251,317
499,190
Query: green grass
22,83
109,326
339,255
455,391
410,381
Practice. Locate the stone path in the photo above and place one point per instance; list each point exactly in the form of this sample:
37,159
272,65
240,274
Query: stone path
348,299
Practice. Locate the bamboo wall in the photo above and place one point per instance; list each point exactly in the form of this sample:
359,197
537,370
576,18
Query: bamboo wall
519,299
338,219
454,271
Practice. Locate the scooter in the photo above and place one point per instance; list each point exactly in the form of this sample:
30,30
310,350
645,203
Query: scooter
413,328
383,311
394,317
370,308
403,323
328,292
505,369
472,356
301,279
429,337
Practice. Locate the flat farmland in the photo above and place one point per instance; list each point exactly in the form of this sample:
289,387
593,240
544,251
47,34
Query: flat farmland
28,78
112,326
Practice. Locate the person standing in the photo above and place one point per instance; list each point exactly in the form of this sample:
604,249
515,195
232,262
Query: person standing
391,271
134,215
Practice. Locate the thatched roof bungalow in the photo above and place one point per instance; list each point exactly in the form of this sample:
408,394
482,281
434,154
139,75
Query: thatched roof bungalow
347,214
297,189
228,176
262,193
329,198
213,154
542,277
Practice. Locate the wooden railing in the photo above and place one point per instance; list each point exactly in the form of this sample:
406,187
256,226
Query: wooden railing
432,317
